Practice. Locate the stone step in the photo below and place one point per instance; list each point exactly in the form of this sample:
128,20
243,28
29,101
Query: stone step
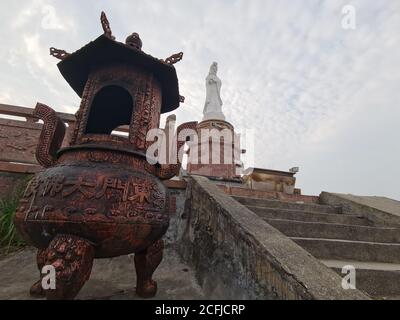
268,203
334,249
293,228
274,213
379,280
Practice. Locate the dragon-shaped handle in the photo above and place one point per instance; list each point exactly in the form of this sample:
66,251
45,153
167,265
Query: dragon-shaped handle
51,137
168,171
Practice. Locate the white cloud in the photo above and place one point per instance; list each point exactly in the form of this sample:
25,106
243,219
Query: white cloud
50,20
310,89
44,12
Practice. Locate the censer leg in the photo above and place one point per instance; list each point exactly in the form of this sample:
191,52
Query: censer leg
72,258
37,289
146,263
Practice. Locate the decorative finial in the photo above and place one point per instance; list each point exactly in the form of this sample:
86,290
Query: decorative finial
134,41
58,53
174,58
106,26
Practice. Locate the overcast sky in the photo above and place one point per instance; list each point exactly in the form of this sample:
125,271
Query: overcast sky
318,96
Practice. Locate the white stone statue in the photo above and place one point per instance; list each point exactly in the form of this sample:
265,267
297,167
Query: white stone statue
213,105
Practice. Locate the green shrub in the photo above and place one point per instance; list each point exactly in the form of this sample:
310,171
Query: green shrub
8,233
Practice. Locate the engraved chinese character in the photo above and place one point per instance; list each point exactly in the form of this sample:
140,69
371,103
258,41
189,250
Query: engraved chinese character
141,192
106,183
124,186
32,188
81,186
53,185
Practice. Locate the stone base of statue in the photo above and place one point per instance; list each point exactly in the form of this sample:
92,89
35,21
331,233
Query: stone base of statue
213,116
217,151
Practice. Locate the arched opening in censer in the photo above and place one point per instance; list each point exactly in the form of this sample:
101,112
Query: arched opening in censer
111,108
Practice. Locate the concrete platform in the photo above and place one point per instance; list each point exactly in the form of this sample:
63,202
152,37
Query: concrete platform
110,279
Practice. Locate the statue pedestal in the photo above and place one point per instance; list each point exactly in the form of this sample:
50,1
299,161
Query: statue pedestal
217,151
214,116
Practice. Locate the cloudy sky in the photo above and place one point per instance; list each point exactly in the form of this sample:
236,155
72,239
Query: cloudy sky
318,96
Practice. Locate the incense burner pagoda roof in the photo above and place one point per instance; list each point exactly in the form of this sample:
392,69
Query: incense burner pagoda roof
76,67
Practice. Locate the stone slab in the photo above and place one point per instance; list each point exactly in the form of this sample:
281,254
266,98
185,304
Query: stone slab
268,203
293,228
350,250
308,216
378,209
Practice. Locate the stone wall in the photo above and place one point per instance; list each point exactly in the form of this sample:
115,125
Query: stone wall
237,255
177,221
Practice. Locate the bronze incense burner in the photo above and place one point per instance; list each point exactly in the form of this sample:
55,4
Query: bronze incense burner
99,197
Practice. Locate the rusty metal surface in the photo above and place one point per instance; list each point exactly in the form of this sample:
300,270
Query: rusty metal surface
120,209
51,137
100,197
106,26
134,41
77,66
168,171
58,53
174,58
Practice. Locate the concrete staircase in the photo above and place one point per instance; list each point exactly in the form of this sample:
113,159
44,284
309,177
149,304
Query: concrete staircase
338,239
